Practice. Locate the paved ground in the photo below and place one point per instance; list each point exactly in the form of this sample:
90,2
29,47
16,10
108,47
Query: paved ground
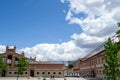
36,78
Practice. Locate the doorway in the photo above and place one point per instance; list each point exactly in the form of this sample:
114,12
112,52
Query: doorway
32,73
93,73
3,73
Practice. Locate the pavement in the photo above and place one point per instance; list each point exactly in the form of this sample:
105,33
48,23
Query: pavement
36,78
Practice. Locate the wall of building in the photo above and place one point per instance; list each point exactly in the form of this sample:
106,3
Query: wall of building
49,73
35,68
13,73
92,66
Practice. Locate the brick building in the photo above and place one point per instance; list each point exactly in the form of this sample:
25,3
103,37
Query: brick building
35,68
93,64
76,68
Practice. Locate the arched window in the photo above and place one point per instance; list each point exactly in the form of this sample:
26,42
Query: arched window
37,72
48,72
59,73
10,72
54,72
25,72
43,72
15,72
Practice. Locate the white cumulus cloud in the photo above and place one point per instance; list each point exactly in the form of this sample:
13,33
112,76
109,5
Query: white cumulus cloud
55,52
2,48
97,19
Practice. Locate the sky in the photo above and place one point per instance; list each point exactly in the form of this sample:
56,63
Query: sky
57,30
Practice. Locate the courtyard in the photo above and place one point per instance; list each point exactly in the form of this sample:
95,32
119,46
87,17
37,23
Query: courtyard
36,78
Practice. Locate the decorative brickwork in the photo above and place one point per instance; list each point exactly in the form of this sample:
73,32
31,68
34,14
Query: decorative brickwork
35,68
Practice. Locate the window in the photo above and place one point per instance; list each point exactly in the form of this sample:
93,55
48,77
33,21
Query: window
25,72
98,60
102,61
100,72
97,71
59,72
54,73
3,59
15,72
43,72
16,62
37,72
48,72
10,72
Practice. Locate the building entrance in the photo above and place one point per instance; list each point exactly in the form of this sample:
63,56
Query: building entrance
32,73
3,73
93,73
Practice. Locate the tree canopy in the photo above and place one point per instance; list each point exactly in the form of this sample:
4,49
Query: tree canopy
22,66
112,60
70,66
3,66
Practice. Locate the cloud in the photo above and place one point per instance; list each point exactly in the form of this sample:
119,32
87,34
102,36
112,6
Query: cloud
98,21
62,1
65,51
54,52
86,41
2,48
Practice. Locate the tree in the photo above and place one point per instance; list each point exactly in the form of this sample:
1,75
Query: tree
3,66
70,66
112,61
118,32
22,66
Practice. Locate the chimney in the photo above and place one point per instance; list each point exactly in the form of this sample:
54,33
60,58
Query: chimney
14,48
34,58
7,48
23,53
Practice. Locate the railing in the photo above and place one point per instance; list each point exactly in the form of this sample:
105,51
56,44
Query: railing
96,50
101,47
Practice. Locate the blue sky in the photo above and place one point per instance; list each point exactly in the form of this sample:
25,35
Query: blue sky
57,30
25,23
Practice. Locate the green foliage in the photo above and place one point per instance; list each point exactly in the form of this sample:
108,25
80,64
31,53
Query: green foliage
22,65
112,60
118,24
3,66
70,66
1,61
118,32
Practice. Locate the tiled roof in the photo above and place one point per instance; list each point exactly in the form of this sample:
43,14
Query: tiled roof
45,62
